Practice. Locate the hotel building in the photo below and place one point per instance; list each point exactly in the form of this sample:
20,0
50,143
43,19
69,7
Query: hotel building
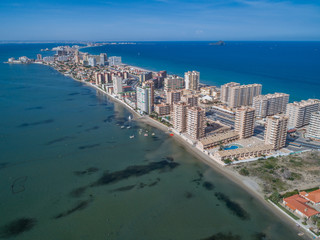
144,99
192,80
270,104
276,131
236,96
195,124
178,115
313,130
299,113
173,82
244,123
190,99
117,84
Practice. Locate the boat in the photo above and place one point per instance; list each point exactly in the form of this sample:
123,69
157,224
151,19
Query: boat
153,134
128,127
146,135
301,234
122,127
132,136
129,118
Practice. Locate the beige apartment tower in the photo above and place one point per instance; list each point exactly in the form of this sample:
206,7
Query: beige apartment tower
173,82
313,130
243,95
276,131
299,113
225,91
178,115
244,124
270,104
173,97
196,122
190,99
192,80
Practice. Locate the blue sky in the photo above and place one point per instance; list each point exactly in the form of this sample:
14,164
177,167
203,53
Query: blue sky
159,20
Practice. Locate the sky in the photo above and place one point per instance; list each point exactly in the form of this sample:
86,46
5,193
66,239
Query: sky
160,20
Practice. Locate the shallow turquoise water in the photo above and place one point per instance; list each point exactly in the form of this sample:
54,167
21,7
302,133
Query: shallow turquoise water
58,135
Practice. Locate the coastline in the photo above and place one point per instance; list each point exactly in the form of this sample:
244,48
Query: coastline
247,184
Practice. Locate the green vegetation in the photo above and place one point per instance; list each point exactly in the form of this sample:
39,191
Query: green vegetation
244,172
283,173
310,189
289,194
227,161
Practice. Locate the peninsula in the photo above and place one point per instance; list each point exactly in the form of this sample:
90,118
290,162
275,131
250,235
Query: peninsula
258,140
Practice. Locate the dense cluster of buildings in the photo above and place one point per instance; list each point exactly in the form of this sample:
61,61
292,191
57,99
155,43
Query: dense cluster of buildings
184,103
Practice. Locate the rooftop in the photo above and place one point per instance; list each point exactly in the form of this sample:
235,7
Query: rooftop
296,202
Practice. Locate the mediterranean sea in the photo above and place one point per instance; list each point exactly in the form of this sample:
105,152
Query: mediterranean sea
69,171
289,67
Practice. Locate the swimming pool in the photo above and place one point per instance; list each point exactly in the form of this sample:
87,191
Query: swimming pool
232,147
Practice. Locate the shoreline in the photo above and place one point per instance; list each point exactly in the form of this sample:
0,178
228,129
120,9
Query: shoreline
247,184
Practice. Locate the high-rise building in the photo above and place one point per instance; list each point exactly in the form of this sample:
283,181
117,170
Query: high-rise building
173,97
39,57
117,84
179,116
99,78
243,95
107,77
92,61
244,123
195,124
145,76
313,130
150,85
192,80
299,113
236,96
225,91
190,99
114,61
276,131
103,59
144,99
270,104
173,82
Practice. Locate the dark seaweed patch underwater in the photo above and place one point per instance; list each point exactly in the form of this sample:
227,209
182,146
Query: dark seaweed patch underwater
79,206
17,227
234,207
134,171
223,236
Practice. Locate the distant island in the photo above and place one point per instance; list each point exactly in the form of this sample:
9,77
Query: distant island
219,43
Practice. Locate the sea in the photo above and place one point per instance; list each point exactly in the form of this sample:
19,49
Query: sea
69,170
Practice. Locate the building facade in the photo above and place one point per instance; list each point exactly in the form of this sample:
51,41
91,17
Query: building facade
270,104
179,116
195,124
299,113
173,83
276,131
244,122
192,80
117,84
144,99
313,130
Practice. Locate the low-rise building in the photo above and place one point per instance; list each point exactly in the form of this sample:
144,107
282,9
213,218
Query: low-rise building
298,205
244,153
217,139
313,197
